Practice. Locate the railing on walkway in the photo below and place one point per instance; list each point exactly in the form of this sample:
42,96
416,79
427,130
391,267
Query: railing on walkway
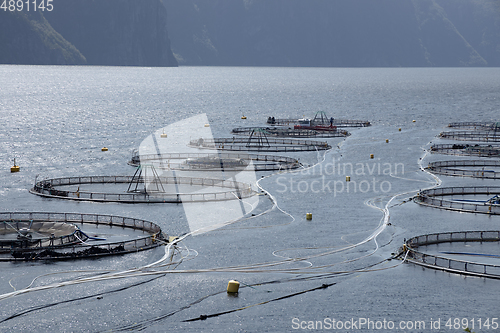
434,198
260,161
466,150
336,122
292,132
481,136
476,125
416,256
77,247
271,145
236,190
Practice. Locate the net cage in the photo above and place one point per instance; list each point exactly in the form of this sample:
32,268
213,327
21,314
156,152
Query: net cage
481,136
260,143
320,118
445,198
227,189
466,150
216,162
48,235
321,132
491,125
480,168
417,256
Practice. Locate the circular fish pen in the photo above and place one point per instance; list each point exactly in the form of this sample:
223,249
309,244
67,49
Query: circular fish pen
476,125
262,144
319,132
480,136
460,266
216,162
320,118
484,199
143,189
456,168
49,236
466,150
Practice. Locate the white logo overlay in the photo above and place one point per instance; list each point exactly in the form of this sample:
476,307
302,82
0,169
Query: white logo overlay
181,162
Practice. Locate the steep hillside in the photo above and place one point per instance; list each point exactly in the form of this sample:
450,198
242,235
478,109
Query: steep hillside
27,38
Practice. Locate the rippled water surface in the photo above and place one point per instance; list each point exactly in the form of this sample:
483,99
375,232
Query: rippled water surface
57,119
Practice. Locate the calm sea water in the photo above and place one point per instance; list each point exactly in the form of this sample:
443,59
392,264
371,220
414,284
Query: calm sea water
57,119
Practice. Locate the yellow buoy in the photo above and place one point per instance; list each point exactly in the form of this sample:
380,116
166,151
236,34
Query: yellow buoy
15,168
347,178
104,149
400,129
386,140
309,216
163,135
371,155
233,286
207,125
414,120
243,117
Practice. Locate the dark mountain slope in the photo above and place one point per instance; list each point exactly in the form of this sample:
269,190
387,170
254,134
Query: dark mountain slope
27,38
344,33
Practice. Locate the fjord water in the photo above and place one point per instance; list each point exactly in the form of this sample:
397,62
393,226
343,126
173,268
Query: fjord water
57,119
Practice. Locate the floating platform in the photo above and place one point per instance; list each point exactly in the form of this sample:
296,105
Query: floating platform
437,198
216,162
260,144
326,132
418,257
69,188
466,150
456,168
50,236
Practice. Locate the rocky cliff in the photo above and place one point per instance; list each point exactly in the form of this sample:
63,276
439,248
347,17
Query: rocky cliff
343,33
27,38
93,32
115,32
